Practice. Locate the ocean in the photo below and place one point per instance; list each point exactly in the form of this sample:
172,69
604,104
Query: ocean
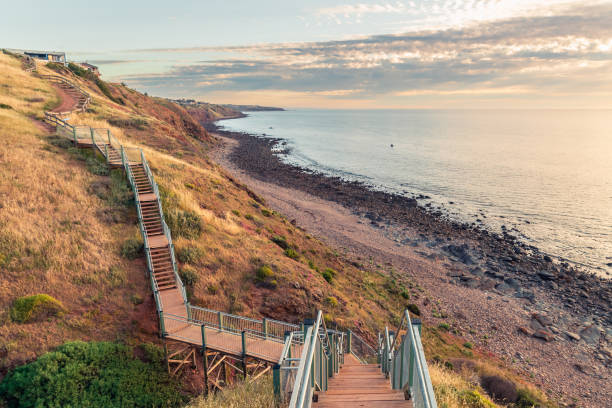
545,175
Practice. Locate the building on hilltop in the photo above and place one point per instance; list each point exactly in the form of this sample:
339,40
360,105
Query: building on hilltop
91,68
50,56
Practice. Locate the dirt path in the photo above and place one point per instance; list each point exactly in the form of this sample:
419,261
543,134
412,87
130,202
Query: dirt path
486,318
67,100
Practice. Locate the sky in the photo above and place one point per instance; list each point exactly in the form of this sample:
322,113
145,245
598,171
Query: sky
336,54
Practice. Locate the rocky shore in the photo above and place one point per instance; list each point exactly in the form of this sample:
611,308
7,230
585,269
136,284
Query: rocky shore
550,306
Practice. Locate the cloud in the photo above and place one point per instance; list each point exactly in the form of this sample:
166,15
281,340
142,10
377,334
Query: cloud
563,54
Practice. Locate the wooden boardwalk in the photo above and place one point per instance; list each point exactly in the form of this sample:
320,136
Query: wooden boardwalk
360,385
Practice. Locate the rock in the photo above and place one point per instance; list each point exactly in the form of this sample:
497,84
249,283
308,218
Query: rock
572,335
514,283
525,330
460,252
547,258
542,318
535,325
544,335
591,334
526,294
504,288
546,275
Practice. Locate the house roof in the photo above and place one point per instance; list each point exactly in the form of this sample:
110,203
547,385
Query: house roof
56,53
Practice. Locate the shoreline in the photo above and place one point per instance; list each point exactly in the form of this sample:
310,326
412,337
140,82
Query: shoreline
490,285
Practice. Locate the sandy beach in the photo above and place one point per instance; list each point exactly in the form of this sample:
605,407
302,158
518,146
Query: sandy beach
547,320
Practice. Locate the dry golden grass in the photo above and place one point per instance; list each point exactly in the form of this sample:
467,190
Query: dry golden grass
52,237
257,394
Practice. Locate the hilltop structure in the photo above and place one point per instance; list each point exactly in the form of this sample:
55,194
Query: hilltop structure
51,56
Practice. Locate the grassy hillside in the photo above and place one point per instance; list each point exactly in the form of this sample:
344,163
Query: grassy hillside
68,230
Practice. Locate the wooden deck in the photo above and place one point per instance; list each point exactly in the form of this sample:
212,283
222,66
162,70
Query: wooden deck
360,385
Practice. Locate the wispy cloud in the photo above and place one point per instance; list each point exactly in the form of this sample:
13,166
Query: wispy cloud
560,54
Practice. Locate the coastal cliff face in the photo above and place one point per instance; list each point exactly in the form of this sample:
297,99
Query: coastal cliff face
69,231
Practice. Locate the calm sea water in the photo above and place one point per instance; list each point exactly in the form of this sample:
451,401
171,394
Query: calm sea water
546,173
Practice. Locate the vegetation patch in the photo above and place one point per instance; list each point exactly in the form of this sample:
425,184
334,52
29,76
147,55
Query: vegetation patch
35,308
265,275
132,248
281,241
96,374
247,394
414,309
129,123
500,388
292,253
188,275
190,254
5,106
329,274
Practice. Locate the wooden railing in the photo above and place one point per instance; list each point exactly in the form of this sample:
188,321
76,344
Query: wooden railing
84,98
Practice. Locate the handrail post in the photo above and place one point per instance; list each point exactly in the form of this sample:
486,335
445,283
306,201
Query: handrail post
276,382
220,316
93,140
161,324
74,135
401,374
349,342
204,359
244,355
265,327
108,134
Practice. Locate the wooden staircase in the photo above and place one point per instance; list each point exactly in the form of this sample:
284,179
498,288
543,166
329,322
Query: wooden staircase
360,385
159,247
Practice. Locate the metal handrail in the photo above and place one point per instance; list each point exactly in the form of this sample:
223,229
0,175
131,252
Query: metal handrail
403,361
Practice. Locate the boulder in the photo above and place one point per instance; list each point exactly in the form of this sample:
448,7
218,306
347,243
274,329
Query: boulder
544,335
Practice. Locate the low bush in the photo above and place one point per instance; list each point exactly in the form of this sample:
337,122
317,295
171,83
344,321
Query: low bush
236,213
185,224
468,345
130,123
212,289
95,374
5,106
132,248
96,166
473,399
414,309
190,254
249,217
500,388
34,308
263,273
266,213
444,326
327,275
292,253
405,294
280,241
332,301
188,275
243,394
525,399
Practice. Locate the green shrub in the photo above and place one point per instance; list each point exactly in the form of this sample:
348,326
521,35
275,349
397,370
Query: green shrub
131,123
131,248
468,345
5,106
152,353
405,294
266,213
474,399
35,308
116,276
264,272
96,166
120,191
249,217
331,271
136,299
95,374
332,301
212,289
188,275
444,326
190,254
280,241
184,223
525,399
236,213
327,275
311,265
414,309
292,253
